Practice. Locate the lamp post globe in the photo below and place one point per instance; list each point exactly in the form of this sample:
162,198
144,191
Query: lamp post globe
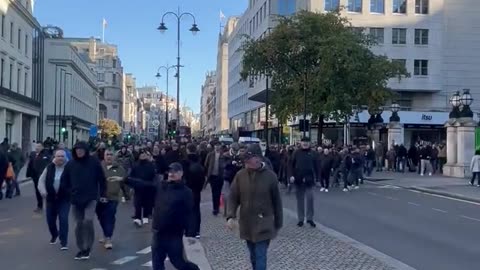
466,100
162,28
455,103
395,107
194,29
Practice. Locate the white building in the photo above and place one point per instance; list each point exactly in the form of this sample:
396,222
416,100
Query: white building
435,39
20,96
208,104
221,106
105,61
73,95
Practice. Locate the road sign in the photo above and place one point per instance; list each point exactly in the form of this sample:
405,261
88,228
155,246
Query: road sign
155,123
93,130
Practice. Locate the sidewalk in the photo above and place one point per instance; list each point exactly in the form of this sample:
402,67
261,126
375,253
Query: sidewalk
457,188
294,248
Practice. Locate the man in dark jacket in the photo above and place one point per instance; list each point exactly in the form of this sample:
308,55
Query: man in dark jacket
38,160
85,178
356,164
173,155
171,219
16,157
326,169
3,169
303,170
194,177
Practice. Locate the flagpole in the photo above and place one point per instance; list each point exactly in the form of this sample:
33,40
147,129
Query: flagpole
103,31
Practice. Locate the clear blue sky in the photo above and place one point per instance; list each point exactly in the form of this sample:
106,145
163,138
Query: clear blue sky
132,26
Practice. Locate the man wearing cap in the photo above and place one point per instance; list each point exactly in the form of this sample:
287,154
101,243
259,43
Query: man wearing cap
255,190
171,219
302,171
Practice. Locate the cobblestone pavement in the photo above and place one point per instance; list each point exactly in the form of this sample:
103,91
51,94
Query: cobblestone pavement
294,248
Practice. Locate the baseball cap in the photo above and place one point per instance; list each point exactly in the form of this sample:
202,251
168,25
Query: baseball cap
253,150
175,167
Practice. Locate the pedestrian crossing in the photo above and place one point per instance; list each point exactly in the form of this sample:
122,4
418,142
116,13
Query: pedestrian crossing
132,259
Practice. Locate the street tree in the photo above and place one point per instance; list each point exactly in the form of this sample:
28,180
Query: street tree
109,128
319,65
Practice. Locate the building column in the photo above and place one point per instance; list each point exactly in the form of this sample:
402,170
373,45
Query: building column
395,134
451,148
17,128
465,146
3,120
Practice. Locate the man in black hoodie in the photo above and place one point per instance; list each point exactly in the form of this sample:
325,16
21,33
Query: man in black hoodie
85,179
38,160
194,177
171,220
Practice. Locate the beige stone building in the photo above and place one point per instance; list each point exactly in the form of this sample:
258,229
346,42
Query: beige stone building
129,90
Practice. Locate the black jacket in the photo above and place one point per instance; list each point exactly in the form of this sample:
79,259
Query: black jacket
37,163
327,163
232,166
172,156
173,207
143,170
63,194
84,177
160,164
357,161
194,173
3,163
303,166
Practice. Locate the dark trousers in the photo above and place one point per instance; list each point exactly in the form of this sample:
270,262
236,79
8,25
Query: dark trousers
477,175
143,204
125,191
58,209
106,217
355,175
258,254
84,230
171,246
37,194
216,184
325,179
345,178
197,216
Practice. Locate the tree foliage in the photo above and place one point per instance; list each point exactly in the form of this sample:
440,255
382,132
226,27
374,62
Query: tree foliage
109,128
324,54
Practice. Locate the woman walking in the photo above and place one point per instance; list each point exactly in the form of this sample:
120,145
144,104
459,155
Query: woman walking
475,168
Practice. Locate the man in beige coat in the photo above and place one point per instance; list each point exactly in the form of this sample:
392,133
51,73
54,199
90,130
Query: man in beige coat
255,191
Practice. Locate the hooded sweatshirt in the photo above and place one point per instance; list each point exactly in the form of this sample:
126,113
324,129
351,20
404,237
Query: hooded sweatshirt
84,177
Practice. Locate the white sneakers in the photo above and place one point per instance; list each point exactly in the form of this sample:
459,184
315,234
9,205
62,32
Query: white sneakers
145,220
137,222
346,190
326,190
322,189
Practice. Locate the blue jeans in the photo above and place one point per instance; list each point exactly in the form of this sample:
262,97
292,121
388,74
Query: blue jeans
106,217
258,254
172,246
58,209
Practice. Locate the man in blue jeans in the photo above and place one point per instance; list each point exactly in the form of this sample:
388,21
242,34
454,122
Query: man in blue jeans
115,175
255,191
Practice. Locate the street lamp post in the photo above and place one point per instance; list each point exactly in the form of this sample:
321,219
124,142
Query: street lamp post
167,69
395,107
194,29
466,100
455,102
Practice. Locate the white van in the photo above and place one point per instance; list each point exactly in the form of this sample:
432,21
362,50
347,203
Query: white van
225,140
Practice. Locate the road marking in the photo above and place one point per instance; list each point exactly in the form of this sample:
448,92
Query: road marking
5,219
414,204
391,198
389,186
145,250
99,269
443,197
439,210
373,194
148,264
124,260
471,218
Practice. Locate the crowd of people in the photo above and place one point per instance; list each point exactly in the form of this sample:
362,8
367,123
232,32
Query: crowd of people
165,181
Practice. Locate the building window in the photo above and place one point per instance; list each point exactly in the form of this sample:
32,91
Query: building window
2,72
421,68
25,84
10,77
114,78
399,36
421,36
377,6
11,32
332,5
378,34
401,62
101,77
400,6
26,45
3,25
19,75
19,39
265,9
286,7
421,6
114,63
101,62
355,5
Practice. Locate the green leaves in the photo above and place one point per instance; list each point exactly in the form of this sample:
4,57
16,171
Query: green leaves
325,54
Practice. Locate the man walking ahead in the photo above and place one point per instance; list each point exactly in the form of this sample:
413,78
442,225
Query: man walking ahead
303,170
85,178
255,191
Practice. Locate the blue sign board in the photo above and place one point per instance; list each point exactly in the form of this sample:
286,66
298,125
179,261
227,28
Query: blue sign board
93,131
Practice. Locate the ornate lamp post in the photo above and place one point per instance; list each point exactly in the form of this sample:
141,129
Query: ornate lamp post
395,109
455,102
466,100
167,70
194,29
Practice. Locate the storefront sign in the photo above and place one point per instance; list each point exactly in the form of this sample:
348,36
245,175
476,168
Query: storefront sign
427,117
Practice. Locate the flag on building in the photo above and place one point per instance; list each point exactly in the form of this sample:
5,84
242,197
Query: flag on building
222,16
104,22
